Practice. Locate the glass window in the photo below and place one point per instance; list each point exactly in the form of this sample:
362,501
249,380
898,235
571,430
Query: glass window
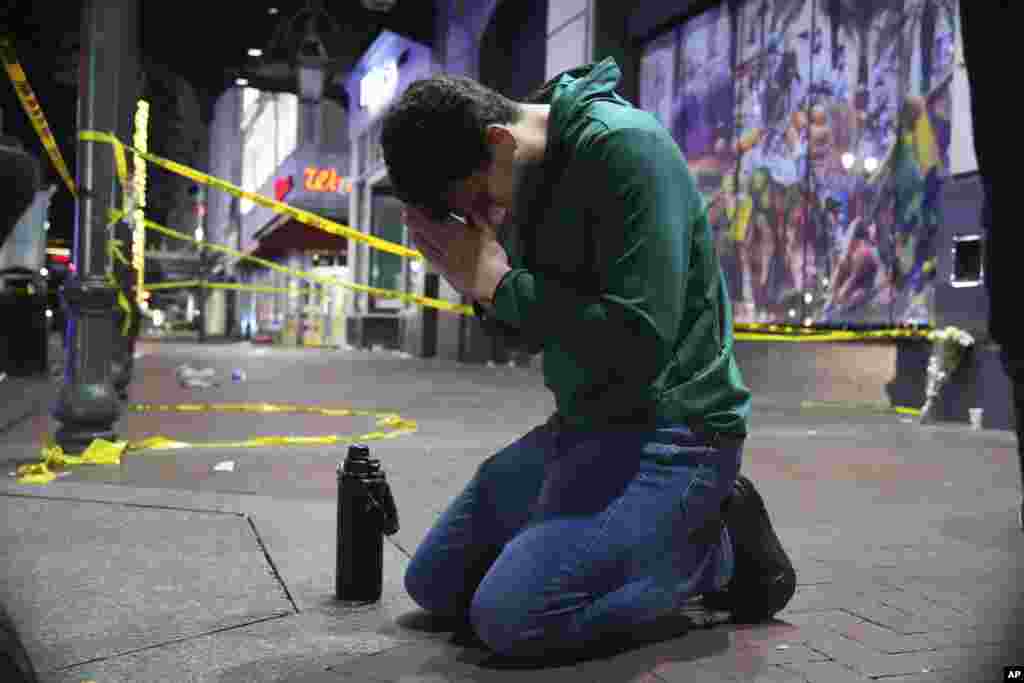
385,267
250,100
272,136
287,124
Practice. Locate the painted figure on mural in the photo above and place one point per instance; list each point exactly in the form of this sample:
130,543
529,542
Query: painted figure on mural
848,100
731,213
857,274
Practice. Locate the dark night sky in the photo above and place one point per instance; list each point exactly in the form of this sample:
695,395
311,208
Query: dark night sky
58,104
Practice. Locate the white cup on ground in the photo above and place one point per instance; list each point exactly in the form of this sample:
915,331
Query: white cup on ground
975,415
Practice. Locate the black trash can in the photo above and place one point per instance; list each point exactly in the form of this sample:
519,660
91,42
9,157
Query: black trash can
24,339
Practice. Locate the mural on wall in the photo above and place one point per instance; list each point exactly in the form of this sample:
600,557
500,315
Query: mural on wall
818,132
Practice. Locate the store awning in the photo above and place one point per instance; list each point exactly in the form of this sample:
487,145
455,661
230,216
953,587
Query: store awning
287,234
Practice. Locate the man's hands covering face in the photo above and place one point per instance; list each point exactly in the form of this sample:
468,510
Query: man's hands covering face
469,256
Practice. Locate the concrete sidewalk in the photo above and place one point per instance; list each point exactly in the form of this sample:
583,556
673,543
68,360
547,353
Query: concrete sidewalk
905,538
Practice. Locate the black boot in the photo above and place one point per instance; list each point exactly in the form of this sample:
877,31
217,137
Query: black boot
764,580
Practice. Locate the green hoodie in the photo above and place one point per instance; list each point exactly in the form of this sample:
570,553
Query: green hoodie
614,272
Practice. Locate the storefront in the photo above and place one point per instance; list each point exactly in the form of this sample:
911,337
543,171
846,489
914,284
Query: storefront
309,313
504,44
386,69
513,47
277,144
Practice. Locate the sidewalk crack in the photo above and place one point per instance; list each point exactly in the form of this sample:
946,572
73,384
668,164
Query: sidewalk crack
176,641
270,561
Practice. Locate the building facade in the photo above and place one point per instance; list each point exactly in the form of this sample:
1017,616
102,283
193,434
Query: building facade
830,140
821,134
297,151
510,46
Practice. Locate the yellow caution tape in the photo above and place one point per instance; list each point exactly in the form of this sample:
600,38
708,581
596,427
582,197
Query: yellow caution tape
34,110
829,337
181,284
126,306
102,452
869,406
116,253
790,333
300,215
303,275
99,452
193,284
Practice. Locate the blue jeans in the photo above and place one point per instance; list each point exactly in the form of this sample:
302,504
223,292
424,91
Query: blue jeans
566,539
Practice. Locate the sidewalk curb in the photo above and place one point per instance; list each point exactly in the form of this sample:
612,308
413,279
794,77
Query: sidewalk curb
15,664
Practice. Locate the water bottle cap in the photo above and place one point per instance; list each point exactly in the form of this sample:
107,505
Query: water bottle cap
358,451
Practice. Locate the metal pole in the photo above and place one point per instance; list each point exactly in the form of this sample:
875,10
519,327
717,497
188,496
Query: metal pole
87,407
130,121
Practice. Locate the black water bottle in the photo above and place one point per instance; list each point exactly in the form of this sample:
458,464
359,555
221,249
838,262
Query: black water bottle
366,511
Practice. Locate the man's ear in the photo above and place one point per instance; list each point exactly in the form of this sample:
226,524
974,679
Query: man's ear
499,135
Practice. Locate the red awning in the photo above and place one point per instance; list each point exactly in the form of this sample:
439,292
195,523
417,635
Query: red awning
295,236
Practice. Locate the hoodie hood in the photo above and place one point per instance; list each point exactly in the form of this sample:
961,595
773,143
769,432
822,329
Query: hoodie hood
570,92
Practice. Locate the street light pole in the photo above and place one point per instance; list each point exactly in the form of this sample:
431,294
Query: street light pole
88,406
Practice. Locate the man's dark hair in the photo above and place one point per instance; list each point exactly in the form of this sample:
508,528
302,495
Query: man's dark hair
434,134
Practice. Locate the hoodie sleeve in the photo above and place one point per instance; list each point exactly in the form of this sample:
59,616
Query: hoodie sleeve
641,203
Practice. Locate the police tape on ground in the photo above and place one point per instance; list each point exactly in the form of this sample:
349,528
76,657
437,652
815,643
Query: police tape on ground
101,452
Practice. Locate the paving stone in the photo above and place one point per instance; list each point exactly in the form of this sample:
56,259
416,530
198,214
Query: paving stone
921,596
772,673
874,664
885,640
985,634
741,665
437,661
853,655
789,653
811,571
827,672
821,598
870,635
834,620
764,635
944,676
686,672
899,621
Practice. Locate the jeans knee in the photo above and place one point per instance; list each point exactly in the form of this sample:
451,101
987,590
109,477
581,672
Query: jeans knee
423,587
505,627
491,624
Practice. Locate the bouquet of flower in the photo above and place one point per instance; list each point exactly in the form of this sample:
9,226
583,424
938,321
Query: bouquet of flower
949,346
